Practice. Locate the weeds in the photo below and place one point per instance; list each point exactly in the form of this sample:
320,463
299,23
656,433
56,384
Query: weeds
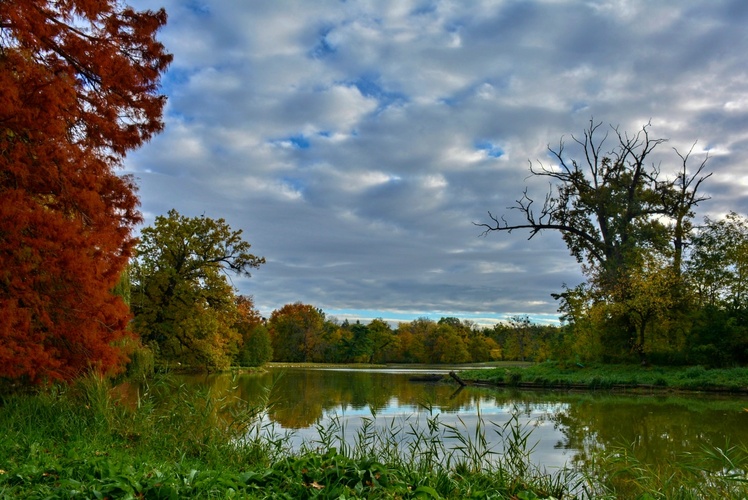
84,441
713,473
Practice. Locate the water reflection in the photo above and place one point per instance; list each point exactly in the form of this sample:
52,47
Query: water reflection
567,428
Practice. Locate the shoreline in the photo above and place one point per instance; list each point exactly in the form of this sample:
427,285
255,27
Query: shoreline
614,378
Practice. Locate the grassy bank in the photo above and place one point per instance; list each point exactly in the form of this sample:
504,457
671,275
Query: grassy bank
85,442
551,374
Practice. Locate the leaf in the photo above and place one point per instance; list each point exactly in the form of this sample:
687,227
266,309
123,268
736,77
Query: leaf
423,491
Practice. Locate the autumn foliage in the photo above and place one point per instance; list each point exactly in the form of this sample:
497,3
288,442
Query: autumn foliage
78,90
185,306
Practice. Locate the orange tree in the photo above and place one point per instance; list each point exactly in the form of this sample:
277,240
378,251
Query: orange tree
78,90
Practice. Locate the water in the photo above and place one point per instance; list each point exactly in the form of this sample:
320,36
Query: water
567,428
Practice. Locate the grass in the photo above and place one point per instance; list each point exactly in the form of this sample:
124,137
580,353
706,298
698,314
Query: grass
84,441
552,374
712,473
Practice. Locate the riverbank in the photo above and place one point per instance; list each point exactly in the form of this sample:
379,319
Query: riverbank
82,442
613,377
181,442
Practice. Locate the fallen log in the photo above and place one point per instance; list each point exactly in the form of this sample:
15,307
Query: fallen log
457,378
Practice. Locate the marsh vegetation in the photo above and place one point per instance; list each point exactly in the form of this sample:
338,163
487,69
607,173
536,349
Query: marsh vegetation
244,436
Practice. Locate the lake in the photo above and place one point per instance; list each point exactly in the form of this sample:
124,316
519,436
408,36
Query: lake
567,428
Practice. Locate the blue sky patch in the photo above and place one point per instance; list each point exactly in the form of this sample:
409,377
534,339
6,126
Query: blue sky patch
198,8
370,86
424,9
294,183
323,47
490,148
299,141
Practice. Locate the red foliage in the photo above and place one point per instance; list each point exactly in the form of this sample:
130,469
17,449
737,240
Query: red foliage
78,89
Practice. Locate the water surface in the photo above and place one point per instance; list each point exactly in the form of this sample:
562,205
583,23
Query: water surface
567,428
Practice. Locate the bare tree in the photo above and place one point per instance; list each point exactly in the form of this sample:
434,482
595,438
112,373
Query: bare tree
610,204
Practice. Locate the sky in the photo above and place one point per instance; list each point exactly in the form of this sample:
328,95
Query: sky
356,143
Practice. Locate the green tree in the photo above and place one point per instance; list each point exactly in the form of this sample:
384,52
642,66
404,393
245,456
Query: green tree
718,265
357,346
518,344
183,302
296,331
615,211
717,270
608,205
383,339
255,347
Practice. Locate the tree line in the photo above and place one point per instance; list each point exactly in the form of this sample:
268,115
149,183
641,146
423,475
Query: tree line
187,313
302,333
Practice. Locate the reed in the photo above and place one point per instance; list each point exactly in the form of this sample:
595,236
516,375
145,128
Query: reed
84,441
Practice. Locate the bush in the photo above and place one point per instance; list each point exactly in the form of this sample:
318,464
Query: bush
708,355
257,349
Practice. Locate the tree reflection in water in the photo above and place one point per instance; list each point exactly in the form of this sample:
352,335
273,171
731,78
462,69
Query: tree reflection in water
567,428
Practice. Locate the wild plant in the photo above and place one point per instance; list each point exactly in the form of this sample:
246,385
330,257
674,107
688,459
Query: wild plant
714,472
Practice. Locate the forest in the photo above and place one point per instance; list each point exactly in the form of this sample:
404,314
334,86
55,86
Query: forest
187,314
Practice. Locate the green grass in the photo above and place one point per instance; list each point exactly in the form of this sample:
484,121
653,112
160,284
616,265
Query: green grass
84,442
551,374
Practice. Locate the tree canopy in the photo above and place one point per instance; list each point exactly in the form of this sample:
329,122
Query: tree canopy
623,219
78,90
610,204
183,302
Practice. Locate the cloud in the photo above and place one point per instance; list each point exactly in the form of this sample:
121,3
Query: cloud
355,143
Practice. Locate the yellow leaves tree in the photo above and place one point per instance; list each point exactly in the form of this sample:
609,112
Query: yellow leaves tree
448,346
644,297
184,305
212,340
